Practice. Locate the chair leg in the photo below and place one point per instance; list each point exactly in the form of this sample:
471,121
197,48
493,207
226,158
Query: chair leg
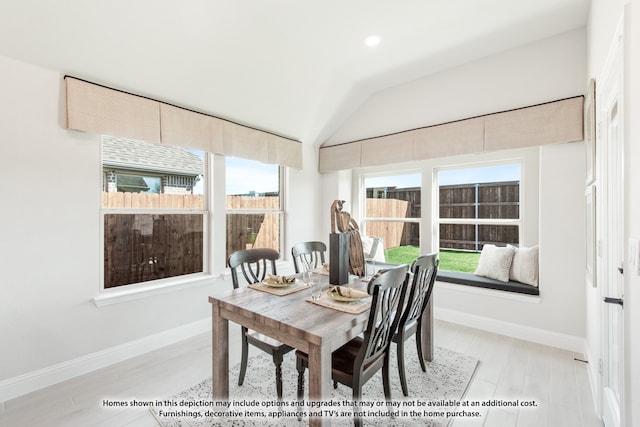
357,392
386,383
277,359
401,370
419,348
300,366
245,356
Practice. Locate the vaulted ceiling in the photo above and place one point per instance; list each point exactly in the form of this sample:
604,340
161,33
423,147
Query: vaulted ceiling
297,68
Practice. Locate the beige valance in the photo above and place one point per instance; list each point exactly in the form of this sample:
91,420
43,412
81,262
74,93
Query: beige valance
98,109
549,123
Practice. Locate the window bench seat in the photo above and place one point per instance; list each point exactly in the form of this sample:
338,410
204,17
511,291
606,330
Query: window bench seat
484,282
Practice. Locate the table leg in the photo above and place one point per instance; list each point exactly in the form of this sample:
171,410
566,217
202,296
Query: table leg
220,355
319,382
427,331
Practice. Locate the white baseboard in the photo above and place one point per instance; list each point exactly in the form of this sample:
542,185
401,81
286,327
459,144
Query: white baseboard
593,370
514,330
32,381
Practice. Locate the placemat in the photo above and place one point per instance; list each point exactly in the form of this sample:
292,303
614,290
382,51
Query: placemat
278,291
355,307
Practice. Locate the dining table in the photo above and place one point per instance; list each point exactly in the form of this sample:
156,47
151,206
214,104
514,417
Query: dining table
294,319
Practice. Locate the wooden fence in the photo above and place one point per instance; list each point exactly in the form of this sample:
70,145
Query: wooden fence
152,201
393,233
129,238
497,200
247,230
143,247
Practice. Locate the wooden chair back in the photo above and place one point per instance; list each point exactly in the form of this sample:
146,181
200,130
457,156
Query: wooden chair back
388,288
424,271
254,264
308,253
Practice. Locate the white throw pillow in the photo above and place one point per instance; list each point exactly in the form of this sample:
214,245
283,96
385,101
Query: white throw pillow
495,262
524,267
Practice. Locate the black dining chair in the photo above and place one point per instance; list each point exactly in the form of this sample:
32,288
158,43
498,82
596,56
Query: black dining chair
357,361
308,253
255,264
424,271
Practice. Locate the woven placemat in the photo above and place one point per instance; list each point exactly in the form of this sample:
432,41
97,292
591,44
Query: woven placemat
278,291
355,307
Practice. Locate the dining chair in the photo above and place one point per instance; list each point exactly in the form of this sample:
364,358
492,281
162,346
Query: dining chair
357,361
309,253
255,264
424,271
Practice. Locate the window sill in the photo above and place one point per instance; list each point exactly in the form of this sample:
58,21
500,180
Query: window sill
143,290
478,284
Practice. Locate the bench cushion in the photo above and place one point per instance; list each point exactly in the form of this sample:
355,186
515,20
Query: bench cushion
485,282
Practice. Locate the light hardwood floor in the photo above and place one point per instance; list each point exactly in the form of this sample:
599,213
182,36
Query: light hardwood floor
508,369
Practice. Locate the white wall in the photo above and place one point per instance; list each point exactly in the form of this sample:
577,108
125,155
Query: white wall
543,71
50,253
50,249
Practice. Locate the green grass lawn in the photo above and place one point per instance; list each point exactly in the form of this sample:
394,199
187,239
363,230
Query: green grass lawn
449,260
466,262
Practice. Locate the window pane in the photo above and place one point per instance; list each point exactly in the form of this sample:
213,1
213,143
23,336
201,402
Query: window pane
141,175
401,240
472,237
259,230
252,186
143,247
499,200
498,234
458,236
394,196
485,192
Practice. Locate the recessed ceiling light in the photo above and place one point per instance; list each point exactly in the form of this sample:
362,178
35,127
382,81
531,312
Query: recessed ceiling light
372,40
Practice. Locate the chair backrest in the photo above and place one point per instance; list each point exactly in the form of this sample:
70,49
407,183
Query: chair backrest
424,271
309,253
388,288
253,263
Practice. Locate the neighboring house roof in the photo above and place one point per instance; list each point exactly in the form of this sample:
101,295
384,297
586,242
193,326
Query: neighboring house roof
129,154
132,184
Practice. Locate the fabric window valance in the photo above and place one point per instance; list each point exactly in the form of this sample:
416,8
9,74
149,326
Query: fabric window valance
102,110
549,123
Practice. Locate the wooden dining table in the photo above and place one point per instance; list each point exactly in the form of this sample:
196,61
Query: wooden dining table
291,319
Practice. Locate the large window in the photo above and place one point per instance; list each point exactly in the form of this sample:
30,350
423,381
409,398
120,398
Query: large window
254,204
153,209
392,214
476,206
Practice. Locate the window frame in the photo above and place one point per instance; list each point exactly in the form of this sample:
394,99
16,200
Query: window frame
141,289
361,206
280,210
437,221
429,236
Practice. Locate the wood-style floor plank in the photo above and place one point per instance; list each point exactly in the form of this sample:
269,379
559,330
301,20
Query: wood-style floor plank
508,369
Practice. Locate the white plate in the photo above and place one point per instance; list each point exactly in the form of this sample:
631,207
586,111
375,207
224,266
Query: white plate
333,293
275,284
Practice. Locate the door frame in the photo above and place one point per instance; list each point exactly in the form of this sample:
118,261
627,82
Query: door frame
610,255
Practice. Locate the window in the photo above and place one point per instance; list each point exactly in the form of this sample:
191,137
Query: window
476,205
254,204
153,210
392,213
